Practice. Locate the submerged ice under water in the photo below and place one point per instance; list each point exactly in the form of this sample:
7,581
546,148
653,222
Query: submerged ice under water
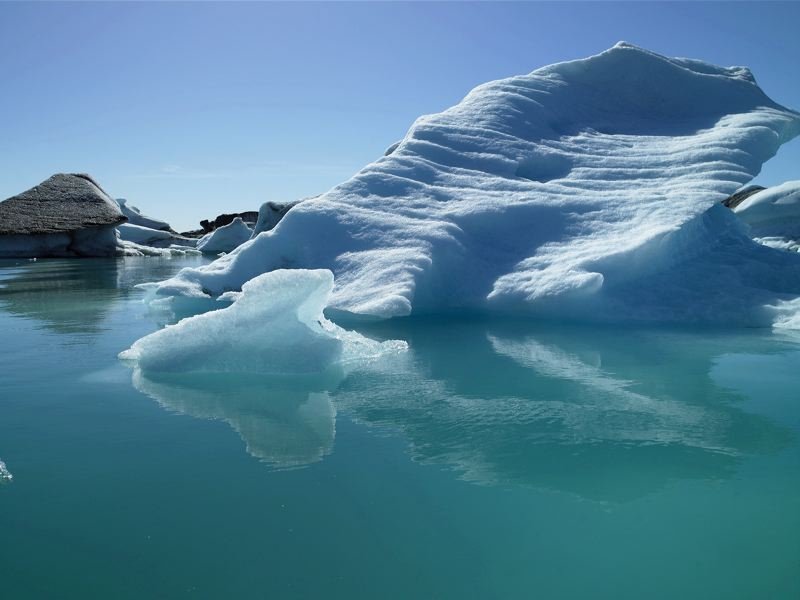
492,458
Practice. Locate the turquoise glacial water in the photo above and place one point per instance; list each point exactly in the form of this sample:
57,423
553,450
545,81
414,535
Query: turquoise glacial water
496,459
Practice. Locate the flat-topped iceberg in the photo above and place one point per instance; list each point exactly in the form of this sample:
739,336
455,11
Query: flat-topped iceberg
275,325
587,189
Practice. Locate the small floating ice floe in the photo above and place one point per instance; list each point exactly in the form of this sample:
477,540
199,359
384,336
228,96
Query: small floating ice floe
5,474
276,325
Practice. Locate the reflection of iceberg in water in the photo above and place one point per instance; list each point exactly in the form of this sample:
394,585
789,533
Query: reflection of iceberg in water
285,423
75,296
636,418
604,414
607,415
65,296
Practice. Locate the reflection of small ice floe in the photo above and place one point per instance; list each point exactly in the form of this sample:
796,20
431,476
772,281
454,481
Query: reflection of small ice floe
5,474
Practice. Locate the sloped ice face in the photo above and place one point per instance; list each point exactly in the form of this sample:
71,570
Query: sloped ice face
135,217
567,191
274,326
225,238
773,215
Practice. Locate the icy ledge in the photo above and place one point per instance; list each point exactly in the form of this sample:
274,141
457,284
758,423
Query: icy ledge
586,189
275,326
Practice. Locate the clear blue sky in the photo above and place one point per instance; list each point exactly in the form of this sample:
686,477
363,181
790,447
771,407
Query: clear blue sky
190,110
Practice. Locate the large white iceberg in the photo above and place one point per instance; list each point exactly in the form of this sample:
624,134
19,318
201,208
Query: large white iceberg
586,189
275,325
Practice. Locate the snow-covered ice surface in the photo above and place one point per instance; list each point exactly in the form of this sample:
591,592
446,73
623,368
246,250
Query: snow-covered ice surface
587,189
225,238
773,215
135,216
275,325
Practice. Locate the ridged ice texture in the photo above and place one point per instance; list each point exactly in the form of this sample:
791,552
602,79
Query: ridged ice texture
274,326
561,192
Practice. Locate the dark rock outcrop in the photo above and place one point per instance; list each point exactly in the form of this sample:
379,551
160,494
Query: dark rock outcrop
193,233
63,203
736,199
67,215
249,217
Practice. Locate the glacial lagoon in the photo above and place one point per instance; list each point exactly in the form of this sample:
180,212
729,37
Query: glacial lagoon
496,458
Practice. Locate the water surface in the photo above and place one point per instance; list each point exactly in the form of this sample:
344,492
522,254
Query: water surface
496,459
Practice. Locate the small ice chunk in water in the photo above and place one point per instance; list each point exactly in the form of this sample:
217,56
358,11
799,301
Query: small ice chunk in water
5,474
275,326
